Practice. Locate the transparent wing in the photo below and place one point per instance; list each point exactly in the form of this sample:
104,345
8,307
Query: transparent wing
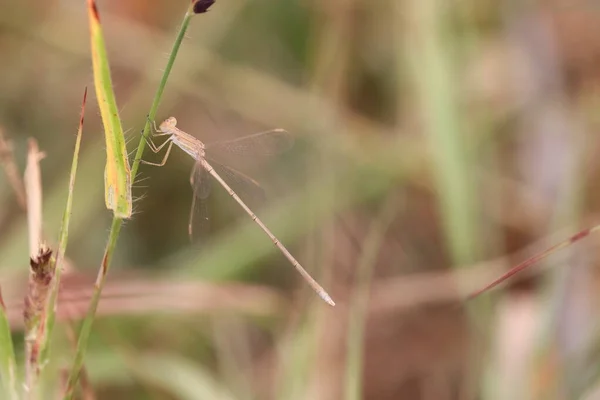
200,181
244,186
199,223
263,143
201,185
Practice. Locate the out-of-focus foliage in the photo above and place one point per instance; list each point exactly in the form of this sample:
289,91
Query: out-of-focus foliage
469,125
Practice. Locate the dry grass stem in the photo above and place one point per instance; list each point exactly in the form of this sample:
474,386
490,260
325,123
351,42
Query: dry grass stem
33,190
7,160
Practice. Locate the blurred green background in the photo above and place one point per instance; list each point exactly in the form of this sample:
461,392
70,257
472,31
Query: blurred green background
437,143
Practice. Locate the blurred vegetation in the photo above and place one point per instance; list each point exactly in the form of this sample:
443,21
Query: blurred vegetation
437,144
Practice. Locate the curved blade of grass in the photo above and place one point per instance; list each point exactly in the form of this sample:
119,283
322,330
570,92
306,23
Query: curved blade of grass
360,299
8,366
535,259
117,175
62,241
117,222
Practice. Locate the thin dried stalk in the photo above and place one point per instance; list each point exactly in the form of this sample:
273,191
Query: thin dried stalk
7,160
33,190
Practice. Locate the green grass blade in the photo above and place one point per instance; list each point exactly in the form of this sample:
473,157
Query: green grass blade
161,88
63,239
8,369
86,327
117,175
432,67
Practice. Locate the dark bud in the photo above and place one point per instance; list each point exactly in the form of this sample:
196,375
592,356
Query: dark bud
202,6
41,260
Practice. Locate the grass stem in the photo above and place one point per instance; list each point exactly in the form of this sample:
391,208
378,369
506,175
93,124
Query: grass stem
115,229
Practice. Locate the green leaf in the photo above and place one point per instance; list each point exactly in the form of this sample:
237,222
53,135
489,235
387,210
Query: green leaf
117,174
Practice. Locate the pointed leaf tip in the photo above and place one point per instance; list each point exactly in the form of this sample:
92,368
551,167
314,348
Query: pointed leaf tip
94,9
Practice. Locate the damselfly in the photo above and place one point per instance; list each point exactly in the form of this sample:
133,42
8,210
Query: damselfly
268,142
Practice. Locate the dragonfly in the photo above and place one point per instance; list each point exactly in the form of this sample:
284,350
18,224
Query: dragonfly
266,143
